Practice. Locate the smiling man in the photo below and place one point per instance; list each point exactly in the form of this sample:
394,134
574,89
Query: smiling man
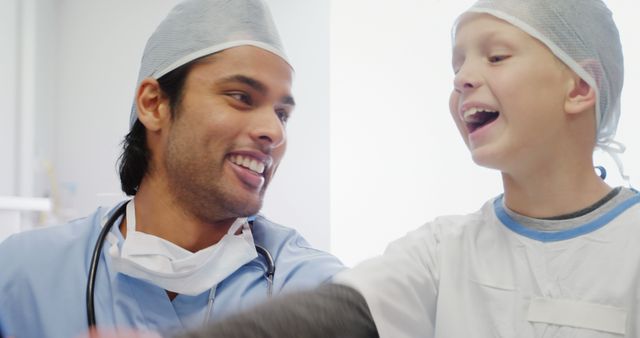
207,133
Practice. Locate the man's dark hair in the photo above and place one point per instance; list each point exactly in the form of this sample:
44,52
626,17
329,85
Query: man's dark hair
133,163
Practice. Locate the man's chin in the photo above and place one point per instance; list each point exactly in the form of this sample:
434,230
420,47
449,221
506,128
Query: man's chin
248,208
239,203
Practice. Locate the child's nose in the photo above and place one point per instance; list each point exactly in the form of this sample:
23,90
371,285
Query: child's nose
466,79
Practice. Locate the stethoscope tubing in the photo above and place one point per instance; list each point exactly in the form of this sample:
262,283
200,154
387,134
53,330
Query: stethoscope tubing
93,267
271,267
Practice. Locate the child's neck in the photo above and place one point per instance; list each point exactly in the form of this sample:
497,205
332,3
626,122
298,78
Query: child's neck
552,194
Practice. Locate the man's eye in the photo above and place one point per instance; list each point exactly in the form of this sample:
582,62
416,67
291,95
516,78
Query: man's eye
497,58
242,97
283,115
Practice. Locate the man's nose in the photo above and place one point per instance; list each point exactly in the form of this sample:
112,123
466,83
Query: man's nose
269,129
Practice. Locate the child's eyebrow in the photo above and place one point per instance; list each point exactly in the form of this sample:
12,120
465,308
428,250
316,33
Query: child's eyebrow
481,41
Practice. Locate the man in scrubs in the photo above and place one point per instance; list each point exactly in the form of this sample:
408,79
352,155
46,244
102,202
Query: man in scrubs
207,133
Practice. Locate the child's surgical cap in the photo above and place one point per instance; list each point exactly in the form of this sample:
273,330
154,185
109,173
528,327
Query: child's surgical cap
583,35
197,28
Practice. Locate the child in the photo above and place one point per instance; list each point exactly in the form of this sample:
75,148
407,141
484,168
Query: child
537,87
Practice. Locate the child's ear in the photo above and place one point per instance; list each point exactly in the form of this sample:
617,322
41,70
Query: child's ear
581,97
152,104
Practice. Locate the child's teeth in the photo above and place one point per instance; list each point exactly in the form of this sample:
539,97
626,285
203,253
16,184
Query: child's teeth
469,112
470,115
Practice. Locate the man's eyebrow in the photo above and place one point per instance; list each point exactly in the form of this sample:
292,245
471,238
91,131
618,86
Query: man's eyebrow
288,100
256,85
251,82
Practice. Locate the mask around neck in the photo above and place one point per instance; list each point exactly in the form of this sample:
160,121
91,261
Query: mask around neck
176,269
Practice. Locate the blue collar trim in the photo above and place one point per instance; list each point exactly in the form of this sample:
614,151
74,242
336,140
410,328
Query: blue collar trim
542,236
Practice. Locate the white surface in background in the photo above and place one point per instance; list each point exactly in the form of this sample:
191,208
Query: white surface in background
24,203
397,160
10,212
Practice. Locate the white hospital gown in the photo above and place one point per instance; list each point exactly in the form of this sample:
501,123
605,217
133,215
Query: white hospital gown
484,275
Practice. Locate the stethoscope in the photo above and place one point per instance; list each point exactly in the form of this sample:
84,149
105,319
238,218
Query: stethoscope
95,258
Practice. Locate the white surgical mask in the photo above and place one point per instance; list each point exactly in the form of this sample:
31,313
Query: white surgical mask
175,269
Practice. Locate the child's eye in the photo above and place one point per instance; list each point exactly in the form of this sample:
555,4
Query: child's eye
497,58
242,97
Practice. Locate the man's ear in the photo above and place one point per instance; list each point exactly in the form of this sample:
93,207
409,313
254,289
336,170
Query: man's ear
153,105
581,96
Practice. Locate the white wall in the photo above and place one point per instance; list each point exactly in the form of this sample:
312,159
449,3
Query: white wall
8,94
100,44
625,14
299,195
43,86
397,160
26,33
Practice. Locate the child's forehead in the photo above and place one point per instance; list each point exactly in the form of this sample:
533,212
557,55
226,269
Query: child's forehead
479,27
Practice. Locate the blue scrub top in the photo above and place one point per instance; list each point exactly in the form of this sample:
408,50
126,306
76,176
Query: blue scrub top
43,276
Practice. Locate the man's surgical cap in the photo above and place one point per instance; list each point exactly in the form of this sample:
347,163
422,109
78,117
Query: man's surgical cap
583,35
197,28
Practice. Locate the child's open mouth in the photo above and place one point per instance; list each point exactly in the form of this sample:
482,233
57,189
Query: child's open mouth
476,118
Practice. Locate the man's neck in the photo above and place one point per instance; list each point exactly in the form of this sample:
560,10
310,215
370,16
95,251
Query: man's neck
158,214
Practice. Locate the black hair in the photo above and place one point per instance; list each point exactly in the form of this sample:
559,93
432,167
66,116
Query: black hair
133,163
